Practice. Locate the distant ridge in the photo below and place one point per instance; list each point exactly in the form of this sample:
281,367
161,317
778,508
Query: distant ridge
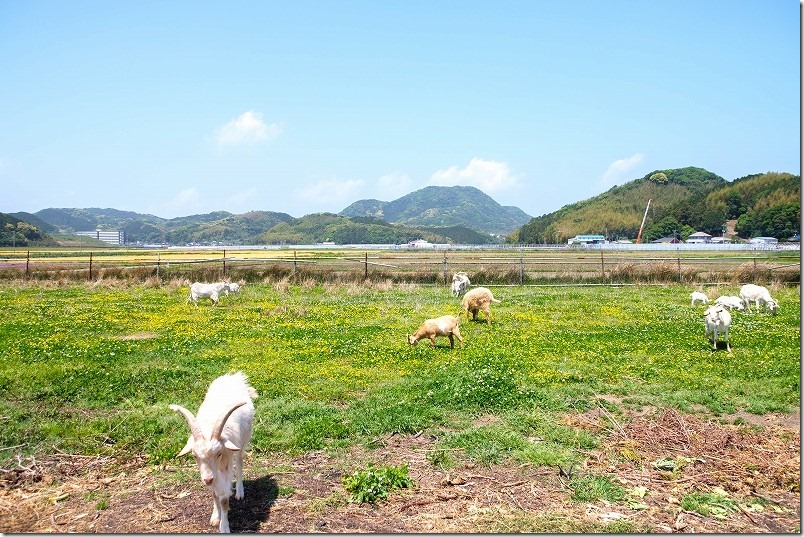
444,206
685,200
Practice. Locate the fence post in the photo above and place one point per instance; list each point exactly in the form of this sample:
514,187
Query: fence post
680,277
602,268
224,262
521,267
27,264
294,262
366,267
445,268
158,260
90,266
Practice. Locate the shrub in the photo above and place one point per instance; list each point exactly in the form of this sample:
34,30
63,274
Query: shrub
372,484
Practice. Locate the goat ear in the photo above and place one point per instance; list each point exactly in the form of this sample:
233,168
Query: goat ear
188,447
230,445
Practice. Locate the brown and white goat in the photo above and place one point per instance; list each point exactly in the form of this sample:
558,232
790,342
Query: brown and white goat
446,325
478,299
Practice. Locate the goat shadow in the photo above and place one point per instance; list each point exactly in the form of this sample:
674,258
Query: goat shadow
248,514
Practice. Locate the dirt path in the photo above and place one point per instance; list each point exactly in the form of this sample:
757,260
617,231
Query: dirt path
757,469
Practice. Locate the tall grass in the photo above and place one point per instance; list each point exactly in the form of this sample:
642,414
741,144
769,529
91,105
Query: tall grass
91,367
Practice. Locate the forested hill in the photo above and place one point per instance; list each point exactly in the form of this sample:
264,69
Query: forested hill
223,228
442,206
684,201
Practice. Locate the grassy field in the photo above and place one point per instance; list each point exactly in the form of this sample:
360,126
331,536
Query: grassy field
91,368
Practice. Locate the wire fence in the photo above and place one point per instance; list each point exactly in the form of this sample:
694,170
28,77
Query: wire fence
485,267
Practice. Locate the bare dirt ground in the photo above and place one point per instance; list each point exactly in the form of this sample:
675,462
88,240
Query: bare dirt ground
758,467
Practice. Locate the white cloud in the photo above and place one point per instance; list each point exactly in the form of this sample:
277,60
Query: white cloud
487,175
247,129
393,185
184,203
619,168
241,199
330,193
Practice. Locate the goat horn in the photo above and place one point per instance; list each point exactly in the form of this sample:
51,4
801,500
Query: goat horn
218,428
188,416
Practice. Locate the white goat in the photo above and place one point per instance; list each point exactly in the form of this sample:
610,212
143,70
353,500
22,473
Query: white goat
718,320
697,296
221,432
731,302
478,299
211,291
446,325
233,287
759,296
460,283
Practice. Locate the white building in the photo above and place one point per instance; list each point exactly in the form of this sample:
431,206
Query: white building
764,240
420,243
699,238
118,238
587,239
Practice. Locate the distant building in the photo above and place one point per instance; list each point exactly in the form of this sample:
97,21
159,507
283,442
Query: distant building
587,239
666,240
420,243
720,240
699,238
117,238
764,240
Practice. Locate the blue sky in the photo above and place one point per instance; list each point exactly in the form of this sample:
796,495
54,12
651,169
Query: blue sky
177,108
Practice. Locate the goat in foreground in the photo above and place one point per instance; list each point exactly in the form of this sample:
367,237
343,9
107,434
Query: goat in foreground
460,283
220,433
718,320
478,299
446,325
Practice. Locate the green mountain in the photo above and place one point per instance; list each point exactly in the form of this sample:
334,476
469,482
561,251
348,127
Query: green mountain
328,227
441,206
16,231
35,221
684,200
221,226
256,227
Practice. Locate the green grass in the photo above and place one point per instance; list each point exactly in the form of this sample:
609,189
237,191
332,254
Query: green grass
708,504
590,488
332,366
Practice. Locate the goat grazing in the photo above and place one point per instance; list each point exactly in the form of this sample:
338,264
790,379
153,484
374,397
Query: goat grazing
718,320
759,295
446,325
478,299
460,283
698,296
220,432
731,302
211,291
233,287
